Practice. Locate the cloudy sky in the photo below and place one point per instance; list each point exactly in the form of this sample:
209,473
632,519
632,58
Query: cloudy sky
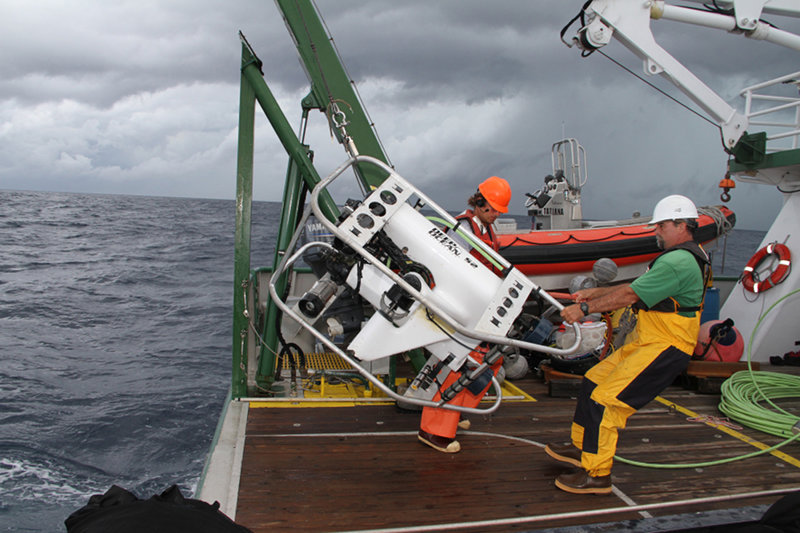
141,97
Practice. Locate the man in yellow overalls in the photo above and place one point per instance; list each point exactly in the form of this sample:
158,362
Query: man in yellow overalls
669,299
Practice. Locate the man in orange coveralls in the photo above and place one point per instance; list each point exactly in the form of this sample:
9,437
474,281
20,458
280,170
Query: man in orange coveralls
438,426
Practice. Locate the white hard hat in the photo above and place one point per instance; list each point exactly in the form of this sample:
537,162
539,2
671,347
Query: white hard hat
673,207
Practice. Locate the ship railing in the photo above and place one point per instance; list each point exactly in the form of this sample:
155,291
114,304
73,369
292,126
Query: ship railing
570,157
780,113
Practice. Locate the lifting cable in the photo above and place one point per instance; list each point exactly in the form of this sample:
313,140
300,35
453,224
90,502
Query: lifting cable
353,85
741,399
653,86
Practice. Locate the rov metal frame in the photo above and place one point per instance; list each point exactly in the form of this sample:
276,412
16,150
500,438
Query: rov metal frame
319,192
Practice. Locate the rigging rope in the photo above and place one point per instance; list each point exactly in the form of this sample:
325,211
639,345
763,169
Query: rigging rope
720,220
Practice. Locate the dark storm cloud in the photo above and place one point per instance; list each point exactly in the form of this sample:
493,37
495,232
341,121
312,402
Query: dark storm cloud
141,96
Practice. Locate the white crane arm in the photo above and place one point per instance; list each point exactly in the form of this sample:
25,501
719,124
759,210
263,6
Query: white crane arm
748,12
752,28
629,22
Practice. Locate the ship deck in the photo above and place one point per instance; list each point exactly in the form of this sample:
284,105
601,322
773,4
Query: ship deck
357,468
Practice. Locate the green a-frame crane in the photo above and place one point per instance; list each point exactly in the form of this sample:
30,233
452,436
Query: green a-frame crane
333,93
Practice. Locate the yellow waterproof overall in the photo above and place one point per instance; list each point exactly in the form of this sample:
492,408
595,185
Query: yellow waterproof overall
627,380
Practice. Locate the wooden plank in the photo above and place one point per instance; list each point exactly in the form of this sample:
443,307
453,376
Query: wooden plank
717,369
350,468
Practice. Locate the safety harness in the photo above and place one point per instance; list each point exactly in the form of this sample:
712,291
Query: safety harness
670,305
484,233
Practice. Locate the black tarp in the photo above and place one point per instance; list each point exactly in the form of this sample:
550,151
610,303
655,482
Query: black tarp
119,511
782,517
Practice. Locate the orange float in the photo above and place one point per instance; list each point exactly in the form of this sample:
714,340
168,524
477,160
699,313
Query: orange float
778,275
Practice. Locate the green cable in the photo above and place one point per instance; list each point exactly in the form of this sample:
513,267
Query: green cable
743,391
470,238
741,394
707,463
743,397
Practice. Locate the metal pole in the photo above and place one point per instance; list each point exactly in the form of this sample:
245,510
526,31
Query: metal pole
244,200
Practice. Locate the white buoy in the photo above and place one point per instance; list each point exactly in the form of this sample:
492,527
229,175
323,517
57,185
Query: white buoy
604,270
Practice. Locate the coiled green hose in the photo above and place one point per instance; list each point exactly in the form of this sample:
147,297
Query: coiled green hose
743,392
741,399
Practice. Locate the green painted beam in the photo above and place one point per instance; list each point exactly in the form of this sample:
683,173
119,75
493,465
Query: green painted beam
292,203
298,152
330,82
301,170
751,148
784,158
244,201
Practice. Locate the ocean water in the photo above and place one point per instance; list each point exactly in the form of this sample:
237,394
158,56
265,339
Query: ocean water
115,342
115,335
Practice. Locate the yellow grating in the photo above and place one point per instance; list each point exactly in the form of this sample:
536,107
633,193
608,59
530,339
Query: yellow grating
321,361
335,393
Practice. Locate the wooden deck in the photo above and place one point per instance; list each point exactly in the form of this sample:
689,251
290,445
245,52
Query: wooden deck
362,468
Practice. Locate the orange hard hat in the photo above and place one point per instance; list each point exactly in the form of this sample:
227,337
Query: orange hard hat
497,192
